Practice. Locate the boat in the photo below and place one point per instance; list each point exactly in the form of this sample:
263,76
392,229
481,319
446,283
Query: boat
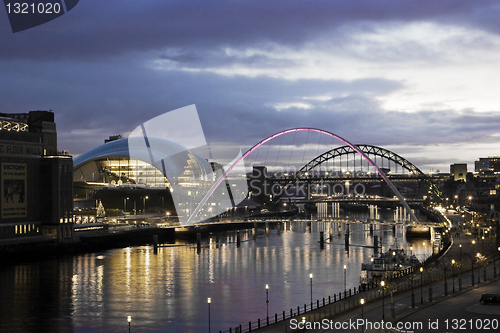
386,264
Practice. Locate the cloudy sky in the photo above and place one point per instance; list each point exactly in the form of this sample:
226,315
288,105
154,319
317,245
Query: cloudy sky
418,77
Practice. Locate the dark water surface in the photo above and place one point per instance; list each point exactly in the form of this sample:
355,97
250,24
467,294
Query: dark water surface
168,292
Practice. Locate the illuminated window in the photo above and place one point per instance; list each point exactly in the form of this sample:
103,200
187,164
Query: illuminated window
493,192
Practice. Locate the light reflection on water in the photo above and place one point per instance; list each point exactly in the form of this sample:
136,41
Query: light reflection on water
168,292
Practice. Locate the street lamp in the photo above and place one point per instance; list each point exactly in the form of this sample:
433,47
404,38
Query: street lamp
311,279
144,204
129,319
209,300
478,255
362,301
345,281
453,273
421,285
304,323
383,295
267,303
473,260
460,269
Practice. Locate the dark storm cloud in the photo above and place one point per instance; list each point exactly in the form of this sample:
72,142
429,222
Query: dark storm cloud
98,29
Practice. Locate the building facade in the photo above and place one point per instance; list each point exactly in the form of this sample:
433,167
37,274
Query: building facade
35,181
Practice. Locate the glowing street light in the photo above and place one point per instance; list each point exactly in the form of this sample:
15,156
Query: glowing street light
345,281
362,301
129,319
421,285
383,295
311,279
209,300
267,303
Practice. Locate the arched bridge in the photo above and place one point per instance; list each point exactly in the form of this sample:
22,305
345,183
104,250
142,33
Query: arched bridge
368,150
294,130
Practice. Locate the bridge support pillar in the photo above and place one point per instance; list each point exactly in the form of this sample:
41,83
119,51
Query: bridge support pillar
198,242
155,244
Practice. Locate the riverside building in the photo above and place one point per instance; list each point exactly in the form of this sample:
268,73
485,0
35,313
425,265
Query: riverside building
35,181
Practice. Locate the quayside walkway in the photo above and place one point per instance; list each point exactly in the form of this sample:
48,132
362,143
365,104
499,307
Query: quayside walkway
449,277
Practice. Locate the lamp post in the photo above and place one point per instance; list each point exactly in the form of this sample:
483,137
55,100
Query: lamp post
345,281
311,279
209,300
362,301
478,255
304,323
460,269
421,285
383,295
472,262
267,303
411,251
129,319
144,203
453,273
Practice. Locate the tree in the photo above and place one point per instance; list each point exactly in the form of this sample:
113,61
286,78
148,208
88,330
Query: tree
101,213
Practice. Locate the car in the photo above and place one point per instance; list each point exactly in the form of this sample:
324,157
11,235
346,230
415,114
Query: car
489,298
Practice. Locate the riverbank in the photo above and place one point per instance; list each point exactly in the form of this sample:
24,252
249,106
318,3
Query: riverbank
40,247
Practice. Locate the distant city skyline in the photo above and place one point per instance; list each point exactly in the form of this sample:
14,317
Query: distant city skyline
418,78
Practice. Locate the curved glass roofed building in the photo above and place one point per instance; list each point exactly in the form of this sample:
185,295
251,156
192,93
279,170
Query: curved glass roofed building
115,163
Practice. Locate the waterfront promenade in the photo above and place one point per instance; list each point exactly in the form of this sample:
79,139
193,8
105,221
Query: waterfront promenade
431,302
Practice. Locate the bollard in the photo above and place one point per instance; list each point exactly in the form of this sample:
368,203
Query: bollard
346,241
155,244
278,226
238,240
254,234
331,234
321,240
198,242
267,228
340,230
